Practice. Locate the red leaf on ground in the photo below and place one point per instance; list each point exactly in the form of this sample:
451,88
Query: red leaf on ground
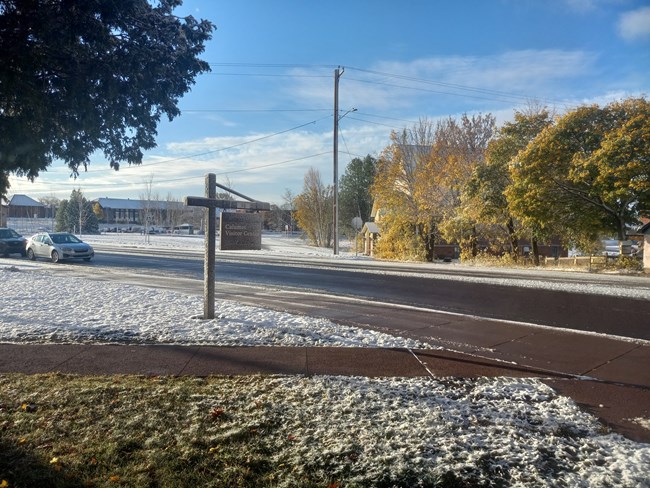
217,412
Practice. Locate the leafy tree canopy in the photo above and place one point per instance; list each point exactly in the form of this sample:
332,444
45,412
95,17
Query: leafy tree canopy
484,200
76,77
589,172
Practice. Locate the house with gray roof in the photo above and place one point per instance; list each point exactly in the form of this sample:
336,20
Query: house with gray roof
24,207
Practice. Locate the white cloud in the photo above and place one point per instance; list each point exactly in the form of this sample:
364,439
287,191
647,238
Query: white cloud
441,86
509,77
635,24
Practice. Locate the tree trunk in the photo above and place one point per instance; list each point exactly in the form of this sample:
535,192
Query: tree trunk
535,251
621,235
474,242
429,244
514,242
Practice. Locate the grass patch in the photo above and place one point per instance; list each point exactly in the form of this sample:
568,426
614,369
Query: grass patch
260,431
66,431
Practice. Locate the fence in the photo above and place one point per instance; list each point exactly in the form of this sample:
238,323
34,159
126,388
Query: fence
29,226
590,262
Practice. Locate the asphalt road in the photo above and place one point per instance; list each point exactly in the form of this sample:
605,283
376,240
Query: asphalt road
447,290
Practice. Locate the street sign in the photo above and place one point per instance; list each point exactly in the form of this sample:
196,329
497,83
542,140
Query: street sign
240,232
211,203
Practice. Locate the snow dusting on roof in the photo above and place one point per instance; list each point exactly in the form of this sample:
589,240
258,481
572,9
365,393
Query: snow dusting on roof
24,201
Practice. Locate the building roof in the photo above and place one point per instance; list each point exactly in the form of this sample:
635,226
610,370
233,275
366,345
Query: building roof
121,203
24,201
128,204
372,227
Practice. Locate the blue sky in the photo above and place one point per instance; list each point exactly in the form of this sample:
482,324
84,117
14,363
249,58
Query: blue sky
264,115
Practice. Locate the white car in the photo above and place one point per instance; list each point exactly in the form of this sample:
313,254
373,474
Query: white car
57,246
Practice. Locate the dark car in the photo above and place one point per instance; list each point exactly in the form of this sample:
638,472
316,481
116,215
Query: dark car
11,242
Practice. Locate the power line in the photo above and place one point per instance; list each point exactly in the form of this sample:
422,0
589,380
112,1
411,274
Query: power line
192,156
273,65
251,168
274,164
374,123
455,86
480,93
267,75
184,178
502,98
256,110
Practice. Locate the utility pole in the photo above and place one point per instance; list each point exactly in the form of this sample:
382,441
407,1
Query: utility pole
337,75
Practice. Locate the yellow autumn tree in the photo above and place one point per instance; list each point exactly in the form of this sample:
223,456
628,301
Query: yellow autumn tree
460,147
407,226
588,174
419,182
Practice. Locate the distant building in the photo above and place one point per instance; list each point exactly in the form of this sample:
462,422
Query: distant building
24,207
119,210
123,213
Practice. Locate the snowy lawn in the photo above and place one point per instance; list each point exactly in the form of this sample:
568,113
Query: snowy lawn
296,431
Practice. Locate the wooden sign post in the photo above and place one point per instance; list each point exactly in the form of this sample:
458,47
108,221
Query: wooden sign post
211,204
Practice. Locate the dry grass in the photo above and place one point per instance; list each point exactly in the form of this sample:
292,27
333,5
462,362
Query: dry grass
66,431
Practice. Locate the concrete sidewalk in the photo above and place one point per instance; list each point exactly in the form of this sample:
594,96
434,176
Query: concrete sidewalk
616,389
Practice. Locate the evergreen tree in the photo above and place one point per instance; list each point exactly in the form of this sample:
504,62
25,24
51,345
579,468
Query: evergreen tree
84,76
61,225
76,215
355,198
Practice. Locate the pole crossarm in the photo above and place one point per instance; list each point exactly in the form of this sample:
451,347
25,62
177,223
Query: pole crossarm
226,204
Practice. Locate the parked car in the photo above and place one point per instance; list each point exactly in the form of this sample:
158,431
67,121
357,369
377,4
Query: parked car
57,246
612,248
11,242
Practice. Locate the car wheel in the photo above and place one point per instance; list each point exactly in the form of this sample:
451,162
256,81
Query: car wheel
30,254
55,256
87,259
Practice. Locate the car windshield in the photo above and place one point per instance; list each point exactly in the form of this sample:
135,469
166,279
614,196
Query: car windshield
64,239
8,233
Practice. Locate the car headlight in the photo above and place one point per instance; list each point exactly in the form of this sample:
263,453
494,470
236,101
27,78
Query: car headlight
66,249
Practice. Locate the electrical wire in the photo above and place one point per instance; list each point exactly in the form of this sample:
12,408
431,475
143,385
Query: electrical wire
194,156
185,178
256,110
485,91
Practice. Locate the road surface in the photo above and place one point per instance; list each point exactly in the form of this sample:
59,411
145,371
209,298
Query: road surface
563,302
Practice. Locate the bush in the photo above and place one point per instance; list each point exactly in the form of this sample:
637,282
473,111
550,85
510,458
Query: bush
625,263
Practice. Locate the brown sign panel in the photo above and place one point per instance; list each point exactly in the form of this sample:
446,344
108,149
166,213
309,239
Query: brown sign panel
240,232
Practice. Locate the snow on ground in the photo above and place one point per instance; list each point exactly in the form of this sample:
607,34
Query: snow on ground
41,306
414,432
485,431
